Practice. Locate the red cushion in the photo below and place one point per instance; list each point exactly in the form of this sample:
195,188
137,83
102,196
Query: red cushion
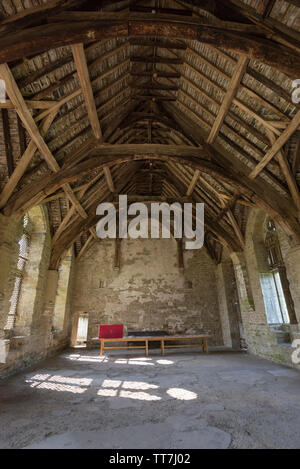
111,331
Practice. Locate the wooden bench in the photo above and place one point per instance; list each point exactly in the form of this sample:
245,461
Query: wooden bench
202,340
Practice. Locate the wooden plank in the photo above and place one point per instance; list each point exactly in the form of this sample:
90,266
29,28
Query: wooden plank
235,101
270,84
57,105
109,179
77,227
162,44
145,149
193,183
217,9
287,172
35,40
24,162
154,86
156,60
153,98
157,10
84,248
83,73
157,338
31,15
264,195
279,31
72,210
31,104
232,115
227,100
107,55
57,64
276,146
236,228
31,127
268,8
22,136
7,141
117,254
137,17
180,254
296,159
155,74
245,88
46,69
256,116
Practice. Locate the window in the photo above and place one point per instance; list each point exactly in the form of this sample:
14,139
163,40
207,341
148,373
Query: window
21,262
275,304
277,298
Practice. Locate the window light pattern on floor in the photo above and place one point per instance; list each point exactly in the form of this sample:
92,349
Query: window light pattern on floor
137,390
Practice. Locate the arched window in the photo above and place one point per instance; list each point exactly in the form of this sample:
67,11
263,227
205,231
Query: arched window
277,297
19,273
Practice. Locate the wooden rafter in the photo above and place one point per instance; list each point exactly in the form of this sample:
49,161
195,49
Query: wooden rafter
7,141
277,146
287,172
22,136
31,127
296,159
268,8
177,162
82,69
31,104
35,14
244,88
83,26
193,182
278,31
162,44
228,98
72,210
235,225
230,142
263,196
85,247
83,73
270,197
74,159
232,114
24,162
77,227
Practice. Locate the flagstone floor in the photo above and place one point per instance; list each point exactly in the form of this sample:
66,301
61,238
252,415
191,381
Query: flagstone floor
125,400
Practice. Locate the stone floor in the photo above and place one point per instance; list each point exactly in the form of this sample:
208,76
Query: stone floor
124,400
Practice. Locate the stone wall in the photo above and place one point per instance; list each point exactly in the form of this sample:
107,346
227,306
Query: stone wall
9,231
261,339
149,292
228,303
33,336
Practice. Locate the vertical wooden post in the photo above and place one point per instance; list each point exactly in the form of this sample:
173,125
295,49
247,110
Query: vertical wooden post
162,347
74,330
287,295
180,254
7,141
22,136
117,254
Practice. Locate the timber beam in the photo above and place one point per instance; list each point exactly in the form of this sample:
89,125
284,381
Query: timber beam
70,29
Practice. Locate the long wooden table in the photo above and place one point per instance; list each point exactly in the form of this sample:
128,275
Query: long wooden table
203,338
